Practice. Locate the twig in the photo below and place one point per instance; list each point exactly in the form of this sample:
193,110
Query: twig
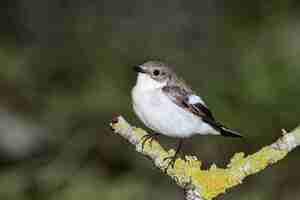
200,184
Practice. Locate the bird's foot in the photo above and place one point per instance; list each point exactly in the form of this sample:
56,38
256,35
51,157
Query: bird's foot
171,163
173,158
148,137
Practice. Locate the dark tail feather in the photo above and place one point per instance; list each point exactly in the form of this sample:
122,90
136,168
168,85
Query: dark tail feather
222,129
229,132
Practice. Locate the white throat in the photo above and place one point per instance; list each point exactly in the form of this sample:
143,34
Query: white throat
145,82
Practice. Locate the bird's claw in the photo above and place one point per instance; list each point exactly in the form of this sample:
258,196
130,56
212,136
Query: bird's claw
171,163
147,137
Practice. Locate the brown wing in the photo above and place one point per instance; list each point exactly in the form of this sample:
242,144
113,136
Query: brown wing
180,97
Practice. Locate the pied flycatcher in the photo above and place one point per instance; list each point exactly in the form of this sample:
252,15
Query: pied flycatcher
167,105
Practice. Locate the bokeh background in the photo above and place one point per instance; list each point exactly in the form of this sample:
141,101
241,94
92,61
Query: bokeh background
65,70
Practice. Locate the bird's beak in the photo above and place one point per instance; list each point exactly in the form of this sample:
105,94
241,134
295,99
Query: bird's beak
139,69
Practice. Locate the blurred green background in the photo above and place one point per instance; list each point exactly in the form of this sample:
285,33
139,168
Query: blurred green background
65,70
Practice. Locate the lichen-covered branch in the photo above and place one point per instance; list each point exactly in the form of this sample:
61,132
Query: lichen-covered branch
201,184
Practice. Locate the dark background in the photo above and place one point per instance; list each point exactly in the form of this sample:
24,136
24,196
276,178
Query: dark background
65,70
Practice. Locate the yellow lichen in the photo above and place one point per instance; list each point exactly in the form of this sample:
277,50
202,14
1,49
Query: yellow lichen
139,132
236,159
193,165
212,182
216,180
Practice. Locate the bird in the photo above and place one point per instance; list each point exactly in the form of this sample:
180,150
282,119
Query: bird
166,104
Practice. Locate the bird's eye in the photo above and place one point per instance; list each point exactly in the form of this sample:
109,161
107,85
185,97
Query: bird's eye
156,72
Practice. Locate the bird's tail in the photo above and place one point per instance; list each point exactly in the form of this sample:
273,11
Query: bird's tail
222,129
229,132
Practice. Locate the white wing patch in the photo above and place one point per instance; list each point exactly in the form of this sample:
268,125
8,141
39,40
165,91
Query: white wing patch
194,99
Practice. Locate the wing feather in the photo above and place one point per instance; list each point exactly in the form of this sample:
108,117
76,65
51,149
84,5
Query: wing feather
180,96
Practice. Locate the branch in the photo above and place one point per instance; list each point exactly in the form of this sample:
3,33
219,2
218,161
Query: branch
200,184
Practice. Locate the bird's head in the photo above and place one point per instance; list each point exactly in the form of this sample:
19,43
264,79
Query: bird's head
153,74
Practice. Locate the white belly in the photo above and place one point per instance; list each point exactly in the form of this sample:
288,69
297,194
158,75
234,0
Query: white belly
159,113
